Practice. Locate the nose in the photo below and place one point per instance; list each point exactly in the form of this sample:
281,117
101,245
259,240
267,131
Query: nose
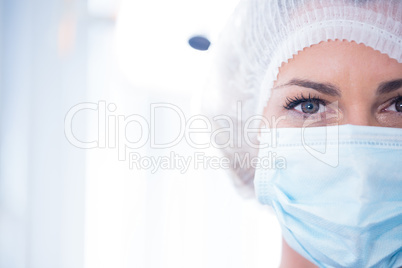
360,116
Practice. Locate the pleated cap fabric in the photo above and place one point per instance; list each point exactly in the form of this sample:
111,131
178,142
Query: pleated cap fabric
263,34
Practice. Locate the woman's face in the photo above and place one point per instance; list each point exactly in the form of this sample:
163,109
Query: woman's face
337,82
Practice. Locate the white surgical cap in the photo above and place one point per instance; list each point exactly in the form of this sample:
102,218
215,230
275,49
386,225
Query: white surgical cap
263,34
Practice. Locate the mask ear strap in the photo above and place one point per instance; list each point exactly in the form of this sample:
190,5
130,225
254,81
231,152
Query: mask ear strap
260,127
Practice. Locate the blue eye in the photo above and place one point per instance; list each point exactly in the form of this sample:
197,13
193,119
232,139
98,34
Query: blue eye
305,105
310,107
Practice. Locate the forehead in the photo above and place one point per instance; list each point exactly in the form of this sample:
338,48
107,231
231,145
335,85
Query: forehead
341,62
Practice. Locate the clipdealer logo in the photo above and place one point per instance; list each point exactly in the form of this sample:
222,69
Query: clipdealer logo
112,133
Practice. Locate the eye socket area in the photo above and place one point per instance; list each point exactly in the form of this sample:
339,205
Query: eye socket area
306,105
310,107
395,105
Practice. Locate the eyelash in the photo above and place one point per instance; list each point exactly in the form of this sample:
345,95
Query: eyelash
291,103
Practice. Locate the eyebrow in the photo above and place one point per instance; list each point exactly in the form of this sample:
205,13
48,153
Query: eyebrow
390,86
325,88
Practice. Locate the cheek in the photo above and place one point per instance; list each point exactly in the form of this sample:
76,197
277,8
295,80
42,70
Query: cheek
389,119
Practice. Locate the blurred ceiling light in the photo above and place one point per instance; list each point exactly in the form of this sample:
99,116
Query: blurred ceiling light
152,41
199,43
66,34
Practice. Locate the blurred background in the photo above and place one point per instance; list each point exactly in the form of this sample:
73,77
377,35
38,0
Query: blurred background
62,205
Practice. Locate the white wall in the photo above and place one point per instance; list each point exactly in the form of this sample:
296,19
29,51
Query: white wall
41,175
62,206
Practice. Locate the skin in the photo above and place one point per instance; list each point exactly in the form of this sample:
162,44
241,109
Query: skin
356,72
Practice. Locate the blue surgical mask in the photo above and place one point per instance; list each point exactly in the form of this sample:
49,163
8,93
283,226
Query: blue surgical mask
337,193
